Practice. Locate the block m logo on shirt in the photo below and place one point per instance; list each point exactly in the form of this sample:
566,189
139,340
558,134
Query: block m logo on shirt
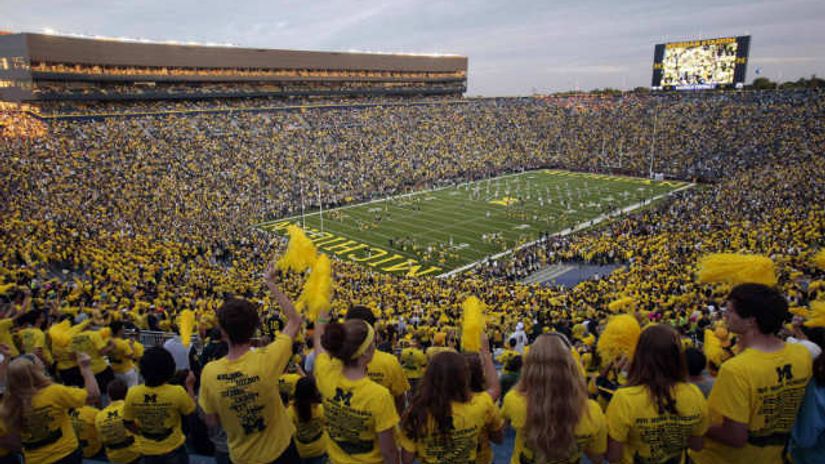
150,398
342,396
784,373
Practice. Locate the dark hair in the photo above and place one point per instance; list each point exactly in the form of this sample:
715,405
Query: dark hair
306,394
696,361
447,379
214,335
514,364
659,364
765,304
29,317
363,313
239,319
817,335
819,370
115,327
476,371
512,342
343,340
117,390
157,366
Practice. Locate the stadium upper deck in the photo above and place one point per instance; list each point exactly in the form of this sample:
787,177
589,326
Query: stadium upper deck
38,67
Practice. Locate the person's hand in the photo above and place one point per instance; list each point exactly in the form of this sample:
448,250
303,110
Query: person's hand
84,360
190,381
485,344
270,274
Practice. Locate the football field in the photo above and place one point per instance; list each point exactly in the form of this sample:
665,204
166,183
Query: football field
446,230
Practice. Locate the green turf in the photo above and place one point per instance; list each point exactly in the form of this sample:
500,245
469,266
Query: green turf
434,232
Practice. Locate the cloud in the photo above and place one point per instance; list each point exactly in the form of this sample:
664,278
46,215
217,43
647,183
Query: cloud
785,60
587,69
513,47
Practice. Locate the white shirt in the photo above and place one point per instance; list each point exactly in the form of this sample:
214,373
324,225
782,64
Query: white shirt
179,352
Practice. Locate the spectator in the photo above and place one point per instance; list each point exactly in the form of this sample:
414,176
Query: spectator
549,409
241,390
39,410
658,414
766,371
152,411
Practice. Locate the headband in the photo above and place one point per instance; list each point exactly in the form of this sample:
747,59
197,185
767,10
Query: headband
366,343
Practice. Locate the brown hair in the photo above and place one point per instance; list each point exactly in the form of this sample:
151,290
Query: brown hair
24,378
477,383
446,379
343,340
659,364
556,395
239,319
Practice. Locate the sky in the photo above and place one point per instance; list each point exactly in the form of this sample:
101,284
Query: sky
515,47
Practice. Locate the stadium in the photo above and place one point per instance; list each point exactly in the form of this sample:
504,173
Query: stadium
360,222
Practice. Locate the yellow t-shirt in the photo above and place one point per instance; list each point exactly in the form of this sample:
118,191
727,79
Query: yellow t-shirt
122,357
311,436
355,411
48,435
5,335
31,339
469,421
90,342
590,432
120,443
650,437
83,422
413,361
244,393
287,383
764,391
157,412
385,370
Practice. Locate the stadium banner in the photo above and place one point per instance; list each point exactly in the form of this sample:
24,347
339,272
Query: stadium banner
719,63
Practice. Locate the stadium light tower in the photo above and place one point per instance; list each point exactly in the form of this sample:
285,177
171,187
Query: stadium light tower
653,140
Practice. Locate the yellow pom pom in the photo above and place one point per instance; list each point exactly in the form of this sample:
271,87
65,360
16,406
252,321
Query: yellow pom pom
819,259
186,324
472,324
6,288
619,338
62,333
627,304
736,269
316,295
300,252
799,311
105,333
817,314
713,348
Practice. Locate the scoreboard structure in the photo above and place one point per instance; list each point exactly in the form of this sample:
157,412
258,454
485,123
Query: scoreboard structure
701,64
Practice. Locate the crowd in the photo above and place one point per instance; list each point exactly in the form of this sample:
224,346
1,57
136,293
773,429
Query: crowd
133,220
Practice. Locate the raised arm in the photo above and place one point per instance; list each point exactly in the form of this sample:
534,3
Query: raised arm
490,375
293,319
89,380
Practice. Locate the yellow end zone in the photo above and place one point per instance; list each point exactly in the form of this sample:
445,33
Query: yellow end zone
506,201
359,252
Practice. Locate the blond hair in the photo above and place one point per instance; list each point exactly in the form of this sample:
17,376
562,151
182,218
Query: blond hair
24,378
556,395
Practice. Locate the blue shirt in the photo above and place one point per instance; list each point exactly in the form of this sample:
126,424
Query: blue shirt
808,435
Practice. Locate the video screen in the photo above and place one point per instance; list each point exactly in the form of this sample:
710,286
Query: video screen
700,64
